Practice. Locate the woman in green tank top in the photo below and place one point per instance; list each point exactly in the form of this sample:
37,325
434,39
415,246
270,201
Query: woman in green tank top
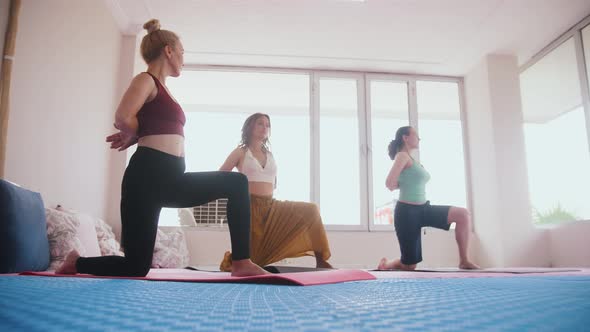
413,211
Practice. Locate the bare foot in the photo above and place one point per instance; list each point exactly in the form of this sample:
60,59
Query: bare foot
467,265
69,264
322,264
225,265
384,264
245,268
395,264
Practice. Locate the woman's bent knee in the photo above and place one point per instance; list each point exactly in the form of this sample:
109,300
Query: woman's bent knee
238,179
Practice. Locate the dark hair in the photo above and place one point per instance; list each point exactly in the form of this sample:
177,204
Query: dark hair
247,131
398,142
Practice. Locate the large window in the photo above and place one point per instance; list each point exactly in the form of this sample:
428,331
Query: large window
329,136
556,137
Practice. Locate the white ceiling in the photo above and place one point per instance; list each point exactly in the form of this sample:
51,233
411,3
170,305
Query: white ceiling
437,37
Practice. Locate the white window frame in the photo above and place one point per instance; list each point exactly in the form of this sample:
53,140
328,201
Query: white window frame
363,107
369,160
574,32
315,141
414,121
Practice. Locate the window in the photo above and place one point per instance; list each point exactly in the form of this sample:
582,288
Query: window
441,142
212,213
389,110
556,137
217,103
339,152
329,136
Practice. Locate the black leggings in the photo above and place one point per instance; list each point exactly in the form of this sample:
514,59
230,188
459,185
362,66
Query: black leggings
154,179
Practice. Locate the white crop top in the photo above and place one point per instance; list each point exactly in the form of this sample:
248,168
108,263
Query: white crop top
254,171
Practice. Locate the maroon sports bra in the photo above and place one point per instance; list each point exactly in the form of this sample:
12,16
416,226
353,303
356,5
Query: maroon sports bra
161,115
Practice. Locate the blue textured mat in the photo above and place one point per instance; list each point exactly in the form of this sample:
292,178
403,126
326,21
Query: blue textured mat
540,303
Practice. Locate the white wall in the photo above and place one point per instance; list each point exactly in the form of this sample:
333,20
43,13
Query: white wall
484,191
570,244
117,160
502,213
63,101
4,10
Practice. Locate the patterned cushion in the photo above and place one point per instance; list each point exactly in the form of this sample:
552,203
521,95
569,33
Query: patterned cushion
106,239
62,231
170,250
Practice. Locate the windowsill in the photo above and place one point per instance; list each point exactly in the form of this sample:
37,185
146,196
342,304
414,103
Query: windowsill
561,224
213,228
224,228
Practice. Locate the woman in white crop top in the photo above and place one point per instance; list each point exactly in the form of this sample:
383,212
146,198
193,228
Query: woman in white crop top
279,229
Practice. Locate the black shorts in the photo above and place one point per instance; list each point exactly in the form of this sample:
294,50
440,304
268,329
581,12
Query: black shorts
409,220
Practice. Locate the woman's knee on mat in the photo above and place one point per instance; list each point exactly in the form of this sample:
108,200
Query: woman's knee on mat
138,269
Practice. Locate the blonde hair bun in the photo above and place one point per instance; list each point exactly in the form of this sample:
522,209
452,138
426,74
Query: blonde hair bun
152,25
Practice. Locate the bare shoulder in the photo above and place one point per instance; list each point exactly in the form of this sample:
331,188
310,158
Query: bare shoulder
403,157
143,82
238,155
234,159
239,151
143,78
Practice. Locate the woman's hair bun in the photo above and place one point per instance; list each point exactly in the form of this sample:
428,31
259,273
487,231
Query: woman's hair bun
152,25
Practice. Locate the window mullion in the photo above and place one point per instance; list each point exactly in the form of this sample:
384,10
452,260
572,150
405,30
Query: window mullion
315,138
584,84
413,107
364,152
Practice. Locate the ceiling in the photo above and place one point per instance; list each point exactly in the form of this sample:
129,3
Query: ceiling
433,37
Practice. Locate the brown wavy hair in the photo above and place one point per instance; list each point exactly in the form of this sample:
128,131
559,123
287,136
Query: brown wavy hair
247,131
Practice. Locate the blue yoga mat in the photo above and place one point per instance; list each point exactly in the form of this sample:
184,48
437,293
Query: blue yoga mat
525,303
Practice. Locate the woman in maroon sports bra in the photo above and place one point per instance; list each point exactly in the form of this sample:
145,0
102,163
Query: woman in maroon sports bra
155,177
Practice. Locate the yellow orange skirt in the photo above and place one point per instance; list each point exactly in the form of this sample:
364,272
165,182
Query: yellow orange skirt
283,229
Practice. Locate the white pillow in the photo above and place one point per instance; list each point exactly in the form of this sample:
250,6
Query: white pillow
87,235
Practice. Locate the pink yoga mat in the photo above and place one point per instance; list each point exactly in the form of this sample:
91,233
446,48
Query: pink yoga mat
298,279
493,273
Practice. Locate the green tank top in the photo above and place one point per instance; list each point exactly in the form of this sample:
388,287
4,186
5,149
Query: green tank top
412,183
